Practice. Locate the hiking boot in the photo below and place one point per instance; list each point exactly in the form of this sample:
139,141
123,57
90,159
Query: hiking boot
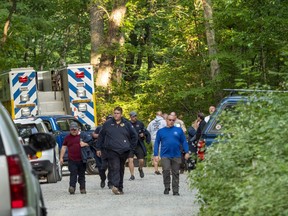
115,190
83,191
102,184
71,190
132,178
157,173
166,191
176,194
141,172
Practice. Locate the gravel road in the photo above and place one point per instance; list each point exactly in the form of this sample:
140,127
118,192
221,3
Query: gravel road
141,197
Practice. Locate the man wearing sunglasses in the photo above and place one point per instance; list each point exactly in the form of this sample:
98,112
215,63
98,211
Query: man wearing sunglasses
172,138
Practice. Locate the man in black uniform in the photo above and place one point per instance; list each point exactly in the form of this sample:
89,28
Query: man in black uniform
101,162
116,139
140,150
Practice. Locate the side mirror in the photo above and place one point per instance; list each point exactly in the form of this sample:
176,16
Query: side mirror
42,141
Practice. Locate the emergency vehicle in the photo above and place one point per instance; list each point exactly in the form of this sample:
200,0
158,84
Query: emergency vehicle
20,98
77,82
65,91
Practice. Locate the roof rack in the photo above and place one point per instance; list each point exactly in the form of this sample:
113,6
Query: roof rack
234,91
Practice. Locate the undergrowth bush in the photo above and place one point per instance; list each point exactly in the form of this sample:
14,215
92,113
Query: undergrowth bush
246,173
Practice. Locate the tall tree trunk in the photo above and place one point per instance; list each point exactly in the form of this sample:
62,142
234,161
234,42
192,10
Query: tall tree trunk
8,22
210,34
120,62
97,33
106,65
148,37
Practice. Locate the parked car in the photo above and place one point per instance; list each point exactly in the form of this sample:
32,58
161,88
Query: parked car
59,126
20,192
45,163
213,127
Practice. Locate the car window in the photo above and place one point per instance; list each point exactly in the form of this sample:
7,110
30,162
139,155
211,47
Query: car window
77,122
40,128
216,124
63,124
26,130
48,125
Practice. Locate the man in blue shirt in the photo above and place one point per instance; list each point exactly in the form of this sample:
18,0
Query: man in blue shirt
171,139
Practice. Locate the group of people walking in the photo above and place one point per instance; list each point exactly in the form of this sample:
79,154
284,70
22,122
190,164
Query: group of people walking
118,140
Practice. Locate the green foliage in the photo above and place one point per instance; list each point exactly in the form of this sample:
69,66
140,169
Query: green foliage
170,68
45,34
251,40
246,172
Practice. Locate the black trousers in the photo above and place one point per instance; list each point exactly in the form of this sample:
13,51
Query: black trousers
77,172
116,167
102,173
104,167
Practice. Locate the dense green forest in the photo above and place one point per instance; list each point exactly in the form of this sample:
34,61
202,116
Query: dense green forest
150,55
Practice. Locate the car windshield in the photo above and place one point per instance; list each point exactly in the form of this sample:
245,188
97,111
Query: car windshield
64,124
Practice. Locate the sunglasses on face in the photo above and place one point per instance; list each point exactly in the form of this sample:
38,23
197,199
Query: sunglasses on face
171,120
73,129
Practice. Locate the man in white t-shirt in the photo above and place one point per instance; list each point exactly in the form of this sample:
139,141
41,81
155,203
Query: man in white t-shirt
179,122
211,110
153,127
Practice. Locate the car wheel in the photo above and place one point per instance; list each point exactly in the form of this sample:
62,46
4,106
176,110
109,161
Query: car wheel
52,176
91,167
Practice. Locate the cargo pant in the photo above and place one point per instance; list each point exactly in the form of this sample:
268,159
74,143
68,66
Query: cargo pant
171,165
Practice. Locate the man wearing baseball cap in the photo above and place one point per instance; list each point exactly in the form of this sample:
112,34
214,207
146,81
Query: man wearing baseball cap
140,150
76,166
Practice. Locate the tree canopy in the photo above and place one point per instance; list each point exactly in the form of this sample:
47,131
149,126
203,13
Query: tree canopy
159,56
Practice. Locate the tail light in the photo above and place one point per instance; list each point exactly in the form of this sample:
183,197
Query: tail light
201,149
17,182
201,144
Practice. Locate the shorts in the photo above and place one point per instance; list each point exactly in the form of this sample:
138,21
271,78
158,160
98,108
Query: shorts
138,152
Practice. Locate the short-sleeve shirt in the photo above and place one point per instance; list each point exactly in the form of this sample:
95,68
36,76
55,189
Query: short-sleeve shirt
74,148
